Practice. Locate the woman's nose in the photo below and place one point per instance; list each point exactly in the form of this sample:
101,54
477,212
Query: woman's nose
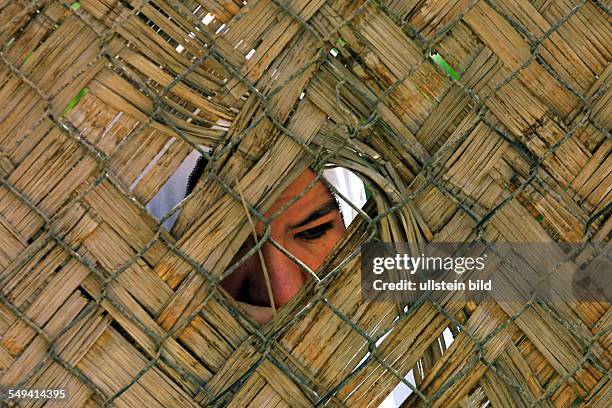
286,277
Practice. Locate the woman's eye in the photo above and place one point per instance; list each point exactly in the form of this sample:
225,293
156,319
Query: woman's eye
314,232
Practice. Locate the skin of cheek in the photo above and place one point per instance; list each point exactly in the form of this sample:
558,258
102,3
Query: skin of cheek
288,277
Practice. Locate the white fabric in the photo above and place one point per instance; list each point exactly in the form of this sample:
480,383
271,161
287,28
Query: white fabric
351,187
173,191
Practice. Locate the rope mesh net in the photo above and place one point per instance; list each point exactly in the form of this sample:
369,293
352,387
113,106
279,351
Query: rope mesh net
467,120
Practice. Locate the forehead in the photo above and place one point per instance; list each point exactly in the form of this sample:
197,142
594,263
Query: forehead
311,200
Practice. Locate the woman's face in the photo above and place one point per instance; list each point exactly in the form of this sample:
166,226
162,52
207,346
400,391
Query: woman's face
308,229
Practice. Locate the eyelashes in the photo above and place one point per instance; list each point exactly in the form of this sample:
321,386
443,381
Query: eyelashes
310,234
315,232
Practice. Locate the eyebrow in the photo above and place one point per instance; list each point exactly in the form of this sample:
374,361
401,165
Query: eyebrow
329,206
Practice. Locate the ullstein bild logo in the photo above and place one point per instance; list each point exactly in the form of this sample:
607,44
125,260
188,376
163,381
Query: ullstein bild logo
550,272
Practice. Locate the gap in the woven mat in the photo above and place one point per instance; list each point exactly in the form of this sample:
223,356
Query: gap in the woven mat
220,28
36,235
401,392
173,191
342,186
87,296
208,18
351,187
444,65
127,336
